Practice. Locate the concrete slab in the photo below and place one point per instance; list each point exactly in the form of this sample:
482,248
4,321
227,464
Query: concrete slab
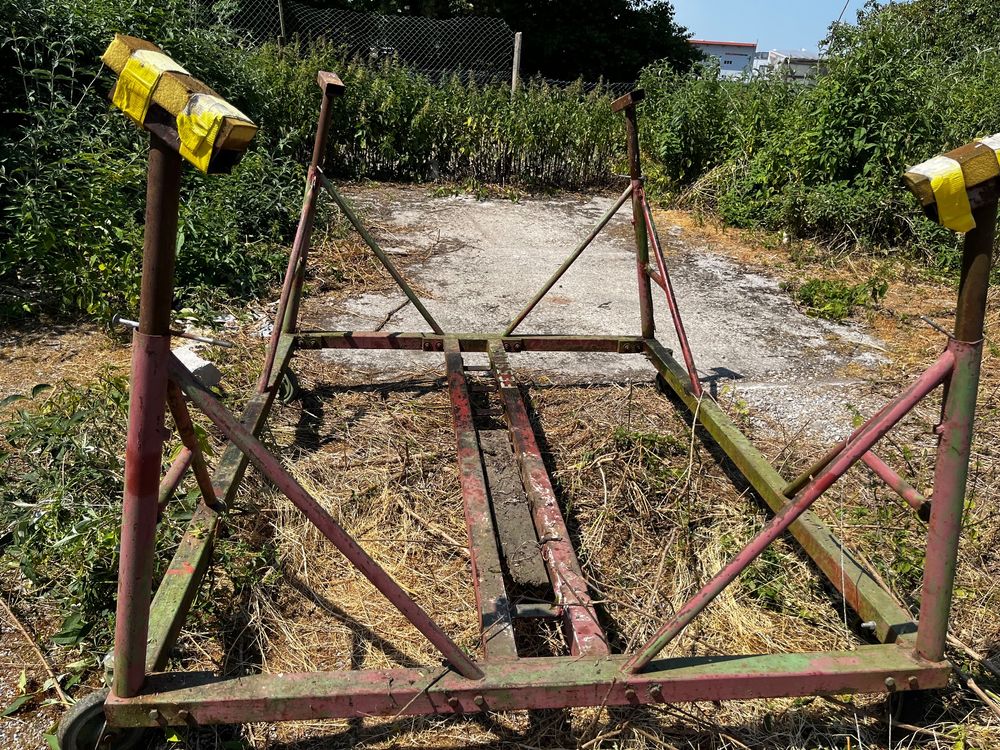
489,257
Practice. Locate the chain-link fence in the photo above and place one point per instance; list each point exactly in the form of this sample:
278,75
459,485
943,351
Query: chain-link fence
471,46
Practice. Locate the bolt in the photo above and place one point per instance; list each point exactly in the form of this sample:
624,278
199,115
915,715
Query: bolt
870,625
480,701
656,692
890,684
913,682
630,695
154,715
183,715
455,703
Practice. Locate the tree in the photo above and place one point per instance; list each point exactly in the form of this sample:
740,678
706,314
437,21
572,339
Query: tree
610,39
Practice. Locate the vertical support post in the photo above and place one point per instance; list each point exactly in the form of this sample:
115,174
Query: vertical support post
286,318
331,88
952,467
144,450
515,73
627,104
283,35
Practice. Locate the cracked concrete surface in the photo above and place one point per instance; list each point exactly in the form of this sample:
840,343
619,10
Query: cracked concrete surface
487,259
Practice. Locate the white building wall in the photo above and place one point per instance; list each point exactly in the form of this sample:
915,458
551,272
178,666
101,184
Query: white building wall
734,59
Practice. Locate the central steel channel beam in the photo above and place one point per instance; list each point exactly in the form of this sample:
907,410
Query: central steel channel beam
487,573
583,629
270,467
874,430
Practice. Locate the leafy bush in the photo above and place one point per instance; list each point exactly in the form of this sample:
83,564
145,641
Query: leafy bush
836,300
72,174
61,470
824,161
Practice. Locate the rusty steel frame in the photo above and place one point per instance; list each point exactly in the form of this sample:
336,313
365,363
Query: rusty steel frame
909,657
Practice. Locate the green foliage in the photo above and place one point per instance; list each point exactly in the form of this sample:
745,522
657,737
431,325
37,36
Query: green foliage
72,173
60,500
836,300
825,160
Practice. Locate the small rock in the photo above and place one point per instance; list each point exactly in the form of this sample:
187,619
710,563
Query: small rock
200,367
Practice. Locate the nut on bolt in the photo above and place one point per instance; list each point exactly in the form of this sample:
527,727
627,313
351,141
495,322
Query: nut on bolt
656,692
913,682
890,684
480,701
630,695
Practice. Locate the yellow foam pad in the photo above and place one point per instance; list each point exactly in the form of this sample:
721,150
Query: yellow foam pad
148,76
198,126
948,186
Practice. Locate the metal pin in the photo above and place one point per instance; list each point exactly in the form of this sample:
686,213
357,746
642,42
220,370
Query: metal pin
870,625
119,320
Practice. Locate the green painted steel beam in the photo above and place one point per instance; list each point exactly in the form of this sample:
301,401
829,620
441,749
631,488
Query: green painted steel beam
863,593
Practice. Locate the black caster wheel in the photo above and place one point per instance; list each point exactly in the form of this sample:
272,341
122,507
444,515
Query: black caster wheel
83,727
288,388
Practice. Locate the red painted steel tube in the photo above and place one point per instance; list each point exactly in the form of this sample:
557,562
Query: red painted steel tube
832,452
468,342
584,631
173,477
185,428
271,467
608,215
295,259
553,682
146,432
958,415
183,576
668,290
655,276
860,589
899,485
872,433
492,601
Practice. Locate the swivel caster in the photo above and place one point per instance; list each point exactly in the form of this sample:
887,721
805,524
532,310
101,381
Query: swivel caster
288,388
83,727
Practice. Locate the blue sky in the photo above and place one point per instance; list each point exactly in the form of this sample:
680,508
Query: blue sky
773,24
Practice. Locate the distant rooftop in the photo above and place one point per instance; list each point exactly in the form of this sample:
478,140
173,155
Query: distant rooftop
722,44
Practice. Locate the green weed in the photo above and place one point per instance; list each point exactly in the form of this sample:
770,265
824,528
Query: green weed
836,300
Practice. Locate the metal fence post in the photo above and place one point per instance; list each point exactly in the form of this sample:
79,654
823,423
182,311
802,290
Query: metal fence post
515,73
958,413
146,432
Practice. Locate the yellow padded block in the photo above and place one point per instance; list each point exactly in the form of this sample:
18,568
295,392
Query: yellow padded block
173,90
945,180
